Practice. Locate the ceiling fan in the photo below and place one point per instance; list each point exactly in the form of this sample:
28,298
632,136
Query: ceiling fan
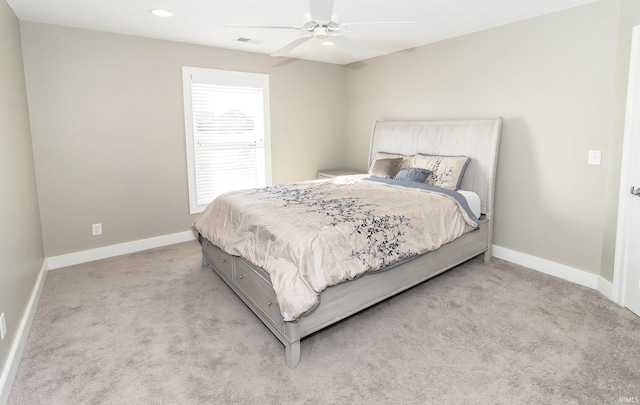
323,24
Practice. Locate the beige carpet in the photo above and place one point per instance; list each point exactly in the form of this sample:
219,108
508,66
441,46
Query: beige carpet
156,328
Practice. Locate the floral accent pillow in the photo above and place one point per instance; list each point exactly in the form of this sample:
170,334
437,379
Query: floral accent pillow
446,171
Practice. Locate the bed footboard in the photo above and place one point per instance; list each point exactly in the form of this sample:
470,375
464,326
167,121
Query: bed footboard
252,284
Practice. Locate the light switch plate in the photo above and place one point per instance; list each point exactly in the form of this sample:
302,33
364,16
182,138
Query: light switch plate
3,326
595,157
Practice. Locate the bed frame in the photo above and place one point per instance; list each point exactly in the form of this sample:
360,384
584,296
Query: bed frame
478,139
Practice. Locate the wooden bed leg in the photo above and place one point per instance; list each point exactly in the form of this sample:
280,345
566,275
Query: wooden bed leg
292,344
292,354
488,257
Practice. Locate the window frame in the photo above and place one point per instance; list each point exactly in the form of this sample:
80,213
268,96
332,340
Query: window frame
227,77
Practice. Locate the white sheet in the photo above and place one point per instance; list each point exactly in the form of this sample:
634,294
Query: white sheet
473,200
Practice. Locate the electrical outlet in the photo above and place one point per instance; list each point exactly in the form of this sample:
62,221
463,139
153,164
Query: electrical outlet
595,157
3,326
96,229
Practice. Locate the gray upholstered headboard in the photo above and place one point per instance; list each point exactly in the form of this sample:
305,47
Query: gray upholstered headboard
478,139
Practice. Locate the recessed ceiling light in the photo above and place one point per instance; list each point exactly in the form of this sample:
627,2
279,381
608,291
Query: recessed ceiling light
328,43
161,13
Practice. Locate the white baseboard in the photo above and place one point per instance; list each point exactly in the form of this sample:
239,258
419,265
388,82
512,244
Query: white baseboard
606,288
11,366
85,256
572,274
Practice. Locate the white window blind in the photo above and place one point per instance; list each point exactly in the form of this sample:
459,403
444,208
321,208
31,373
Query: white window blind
226,116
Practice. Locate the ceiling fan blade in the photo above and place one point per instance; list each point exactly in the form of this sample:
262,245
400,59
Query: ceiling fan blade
292,45
321,10
349,47
277,27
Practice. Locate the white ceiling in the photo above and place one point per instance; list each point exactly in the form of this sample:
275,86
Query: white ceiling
203,21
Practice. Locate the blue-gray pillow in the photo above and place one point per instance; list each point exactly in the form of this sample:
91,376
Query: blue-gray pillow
413,174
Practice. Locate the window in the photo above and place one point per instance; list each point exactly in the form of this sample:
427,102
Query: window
227,131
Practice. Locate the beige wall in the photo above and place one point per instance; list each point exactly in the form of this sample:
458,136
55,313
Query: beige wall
108,133
20,239
557,82
107,123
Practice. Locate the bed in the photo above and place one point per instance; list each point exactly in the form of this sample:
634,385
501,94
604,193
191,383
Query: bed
476,139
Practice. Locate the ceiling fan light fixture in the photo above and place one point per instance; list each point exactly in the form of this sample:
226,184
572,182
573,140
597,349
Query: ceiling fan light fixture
160,12
323,26
321,32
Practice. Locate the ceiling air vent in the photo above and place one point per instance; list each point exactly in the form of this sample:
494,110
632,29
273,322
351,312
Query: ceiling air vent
248,40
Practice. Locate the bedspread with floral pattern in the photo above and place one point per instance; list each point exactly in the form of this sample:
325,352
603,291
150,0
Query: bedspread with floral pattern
315,234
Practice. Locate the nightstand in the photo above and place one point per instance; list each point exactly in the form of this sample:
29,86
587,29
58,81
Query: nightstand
327,174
